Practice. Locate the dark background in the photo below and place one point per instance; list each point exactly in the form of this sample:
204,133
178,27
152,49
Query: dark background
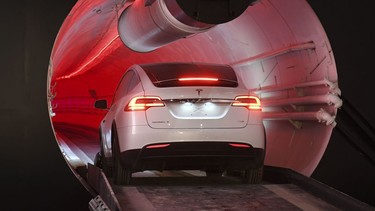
34,174
349,28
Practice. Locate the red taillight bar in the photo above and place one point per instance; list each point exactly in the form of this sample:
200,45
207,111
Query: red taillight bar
250,102
142,103
198,79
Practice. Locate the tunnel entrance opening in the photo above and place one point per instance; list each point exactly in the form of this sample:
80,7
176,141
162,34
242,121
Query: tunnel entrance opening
278,48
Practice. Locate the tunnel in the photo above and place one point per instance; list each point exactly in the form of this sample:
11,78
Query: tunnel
278,48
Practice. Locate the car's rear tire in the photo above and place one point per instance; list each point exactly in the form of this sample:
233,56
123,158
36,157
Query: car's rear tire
253,176
106,167
121,176
101,161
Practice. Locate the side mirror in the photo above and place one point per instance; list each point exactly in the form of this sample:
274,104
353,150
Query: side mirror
101,104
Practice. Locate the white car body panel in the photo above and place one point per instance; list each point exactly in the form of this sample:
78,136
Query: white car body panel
200,122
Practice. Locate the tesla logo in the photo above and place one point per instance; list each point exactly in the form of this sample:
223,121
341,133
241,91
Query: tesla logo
199,91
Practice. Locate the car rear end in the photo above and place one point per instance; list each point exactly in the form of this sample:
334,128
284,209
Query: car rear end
199,116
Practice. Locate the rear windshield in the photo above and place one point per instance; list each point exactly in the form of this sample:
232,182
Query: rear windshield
176,74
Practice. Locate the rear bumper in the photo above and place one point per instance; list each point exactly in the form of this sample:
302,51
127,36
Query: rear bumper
137,137
193,156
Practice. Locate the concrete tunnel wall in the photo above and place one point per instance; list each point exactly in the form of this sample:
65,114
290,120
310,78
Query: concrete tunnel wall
279,48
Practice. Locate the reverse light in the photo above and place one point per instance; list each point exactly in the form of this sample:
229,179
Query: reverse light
143,103
198,79
250,102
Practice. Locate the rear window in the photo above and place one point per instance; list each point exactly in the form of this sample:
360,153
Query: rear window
177,74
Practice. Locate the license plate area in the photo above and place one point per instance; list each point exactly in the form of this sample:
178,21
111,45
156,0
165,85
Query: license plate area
199,108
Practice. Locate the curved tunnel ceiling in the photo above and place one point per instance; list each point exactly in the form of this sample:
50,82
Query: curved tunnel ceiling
278,47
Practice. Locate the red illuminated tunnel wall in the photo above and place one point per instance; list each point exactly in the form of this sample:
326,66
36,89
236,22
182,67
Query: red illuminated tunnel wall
278,47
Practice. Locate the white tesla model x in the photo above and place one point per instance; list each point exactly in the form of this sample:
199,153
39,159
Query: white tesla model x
181,116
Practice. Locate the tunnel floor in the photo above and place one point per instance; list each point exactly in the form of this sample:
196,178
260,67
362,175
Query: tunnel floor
182,190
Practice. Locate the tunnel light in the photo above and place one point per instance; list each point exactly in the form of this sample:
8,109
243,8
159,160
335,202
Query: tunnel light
143,103
198,79
250,102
